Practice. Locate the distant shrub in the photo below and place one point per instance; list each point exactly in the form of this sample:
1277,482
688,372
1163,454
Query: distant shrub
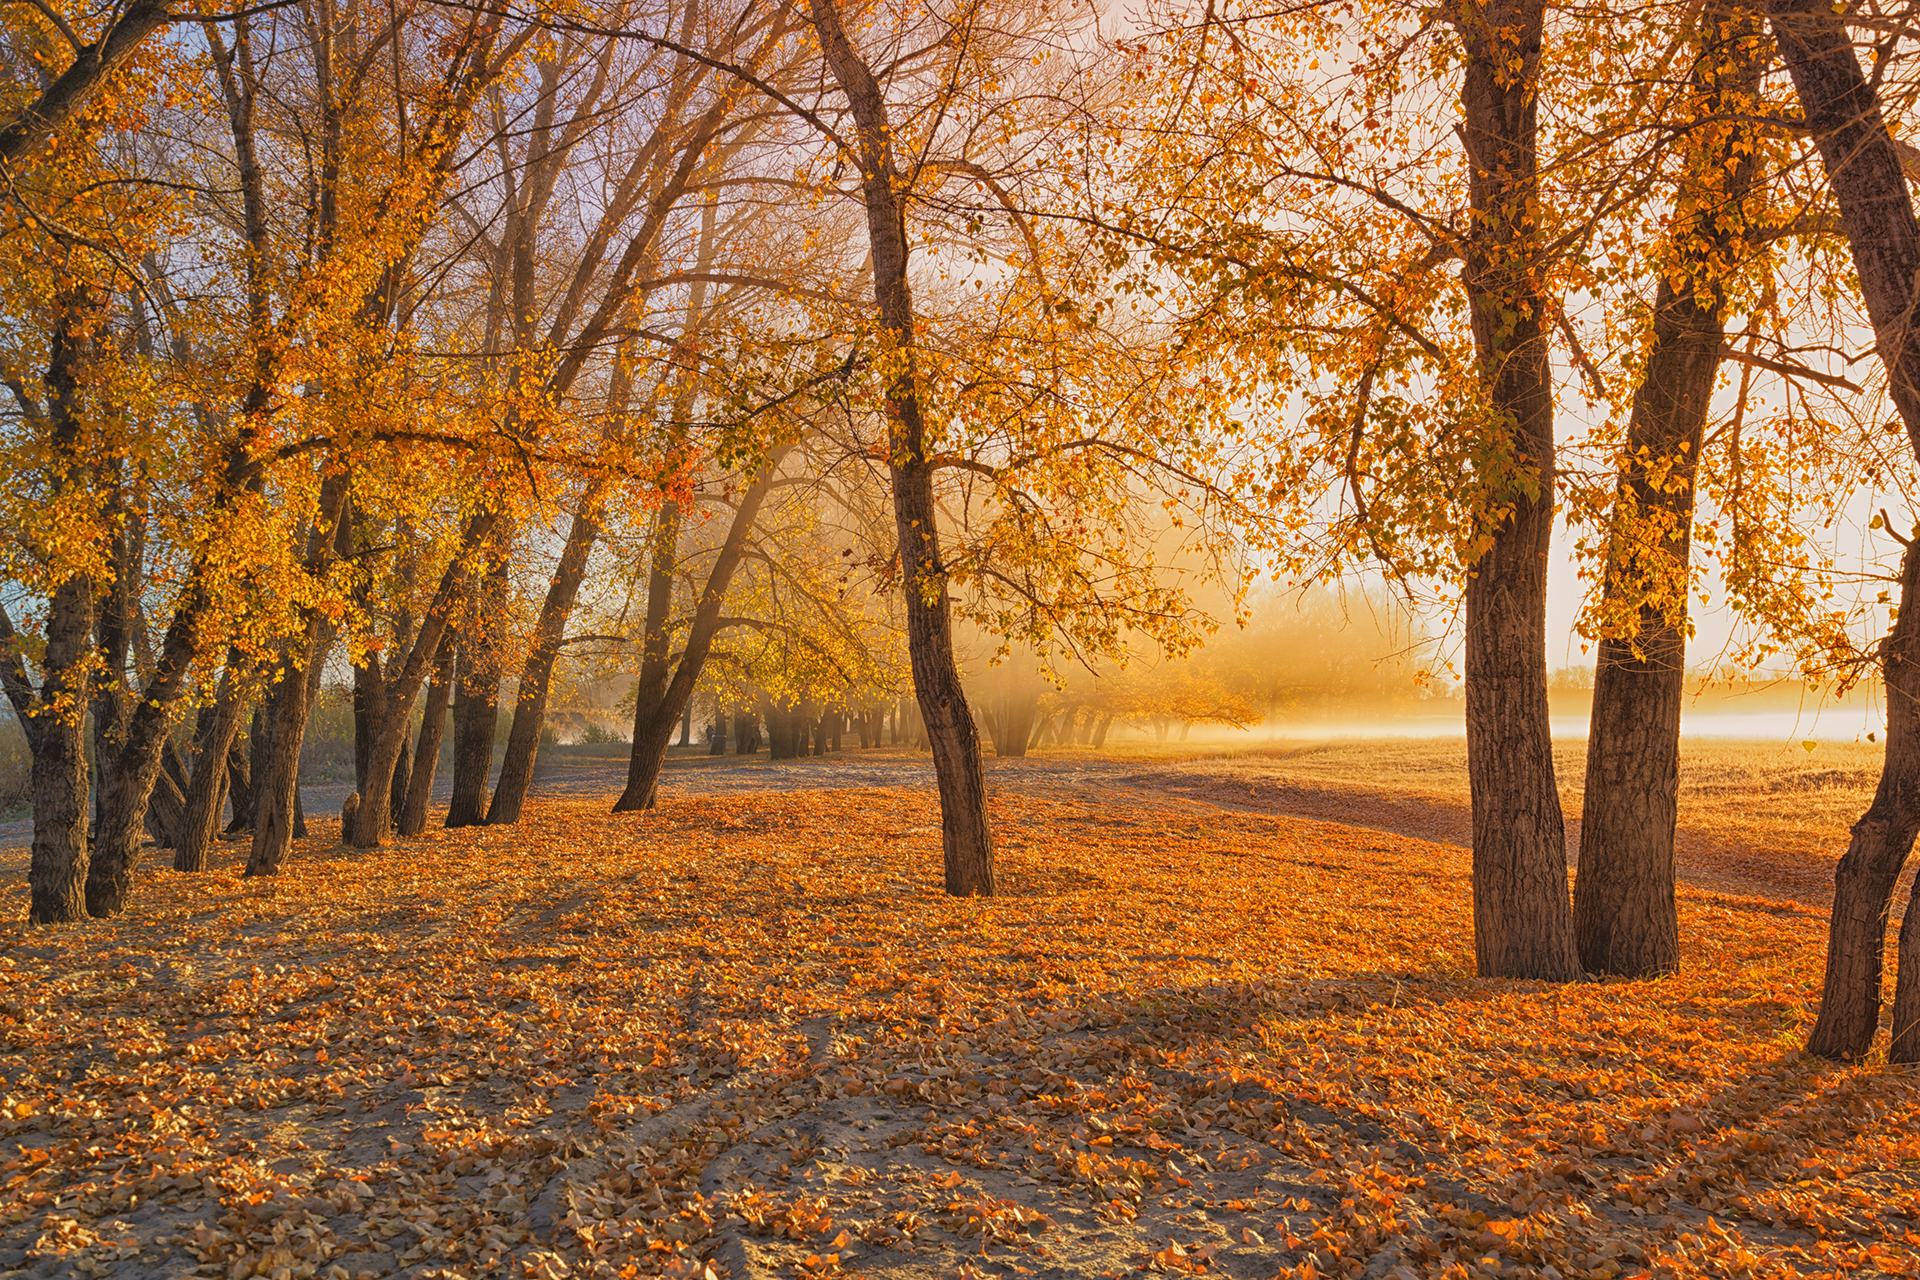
594,735
16,764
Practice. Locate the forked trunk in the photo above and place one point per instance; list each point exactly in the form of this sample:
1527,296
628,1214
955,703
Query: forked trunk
375,816
1624,914
1876,212
426,752
277,771
286,705
654,720
475,700
656,668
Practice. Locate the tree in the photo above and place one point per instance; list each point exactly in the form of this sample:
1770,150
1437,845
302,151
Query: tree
1625,916
1863,167
966,838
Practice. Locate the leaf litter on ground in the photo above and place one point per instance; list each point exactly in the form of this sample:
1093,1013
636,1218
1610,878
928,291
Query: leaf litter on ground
749,1037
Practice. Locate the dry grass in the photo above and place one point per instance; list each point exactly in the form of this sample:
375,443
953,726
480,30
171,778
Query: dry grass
1762,816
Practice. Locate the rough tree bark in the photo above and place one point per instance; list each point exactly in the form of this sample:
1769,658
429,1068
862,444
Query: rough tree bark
656,666
1523,915
1876,213
58,865
375,816
966,836
91,67
285,706
240,778
210,769
1625,918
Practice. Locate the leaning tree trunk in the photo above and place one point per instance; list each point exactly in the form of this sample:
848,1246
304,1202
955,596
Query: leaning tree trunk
656,667
1523,916
286,705
426,753
966,836
1625,918
536,675
1876,213
210,768
654,721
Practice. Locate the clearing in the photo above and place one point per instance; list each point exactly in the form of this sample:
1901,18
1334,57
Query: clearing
746,1035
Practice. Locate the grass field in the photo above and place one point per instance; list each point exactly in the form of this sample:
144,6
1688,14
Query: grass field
1754,816
748,1037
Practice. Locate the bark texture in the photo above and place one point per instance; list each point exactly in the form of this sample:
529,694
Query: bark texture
476,716
1523,916
966,836
375,817
207,786
59,863
1625,918
285,706
656,667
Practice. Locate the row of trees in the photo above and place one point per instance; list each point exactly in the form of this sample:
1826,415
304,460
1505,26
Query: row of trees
823,323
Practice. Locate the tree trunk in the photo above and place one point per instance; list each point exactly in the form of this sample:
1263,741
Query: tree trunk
369,711
426,753
375,817
59,864
240,778
167,806
655,641
277,769
285,708
1876,213
536,675
1523,915
475,717
57,867
205,788
966,837
654,720
1625,918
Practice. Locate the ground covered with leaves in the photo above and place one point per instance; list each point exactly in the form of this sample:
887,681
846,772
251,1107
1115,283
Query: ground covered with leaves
746,1036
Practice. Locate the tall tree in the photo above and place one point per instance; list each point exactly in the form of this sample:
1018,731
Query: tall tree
1843,114
1522,917
966,835
1625,916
